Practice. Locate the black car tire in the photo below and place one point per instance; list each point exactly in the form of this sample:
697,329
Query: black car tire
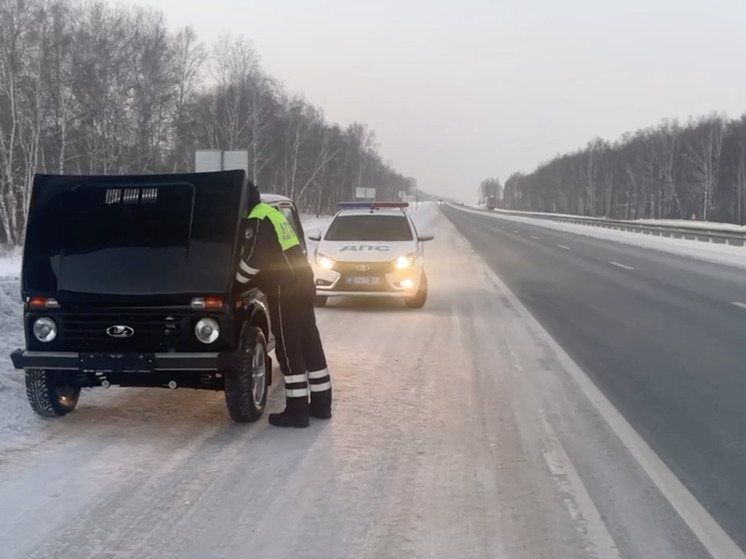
49,393
319,301
418,301
246,388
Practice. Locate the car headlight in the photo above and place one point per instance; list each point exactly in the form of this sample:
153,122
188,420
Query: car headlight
45,329
207,330
404,262
324,262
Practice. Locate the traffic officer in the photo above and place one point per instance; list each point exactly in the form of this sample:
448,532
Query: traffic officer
273,260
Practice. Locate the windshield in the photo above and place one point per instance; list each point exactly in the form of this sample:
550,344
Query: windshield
131,240
369,228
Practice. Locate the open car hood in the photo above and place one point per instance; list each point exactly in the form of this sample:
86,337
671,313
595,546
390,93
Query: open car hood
133,235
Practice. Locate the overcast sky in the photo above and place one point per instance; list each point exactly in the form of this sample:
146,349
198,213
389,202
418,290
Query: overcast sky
459,90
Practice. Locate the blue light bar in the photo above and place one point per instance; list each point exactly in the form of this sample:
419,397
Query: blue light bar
373,205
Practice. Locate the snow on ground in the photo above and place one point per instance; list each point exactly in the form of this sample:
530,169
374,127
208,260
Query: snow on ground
14,410
424,215
313,224
676,222
693,223
729,255
483,208
10,262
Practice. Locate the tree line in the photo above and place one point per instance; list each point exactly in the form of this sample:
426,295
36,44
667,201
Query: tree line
96,89
695,170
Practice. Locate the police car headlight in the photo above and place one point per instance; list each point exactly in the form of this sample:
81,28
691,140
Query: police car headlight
207,330
404,262
45,329
324,262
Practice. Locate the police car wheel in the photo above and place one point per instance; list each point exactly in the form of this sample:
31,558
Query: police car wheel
319,301
246,388
49,393
418,301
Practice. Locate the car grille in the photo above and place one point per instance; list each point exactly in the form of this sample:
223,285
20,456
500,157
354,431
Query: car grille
363,268
149,332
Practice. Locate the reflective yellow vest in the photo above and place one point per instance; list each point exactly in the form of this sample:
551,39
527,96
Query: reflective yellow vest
285,234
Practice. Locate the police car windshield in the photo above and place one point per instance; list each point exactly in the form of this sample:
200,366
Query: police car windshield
369,227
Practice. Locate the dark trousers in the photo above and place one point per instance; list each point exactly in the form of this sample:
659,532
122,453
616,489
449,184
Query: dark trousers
298,345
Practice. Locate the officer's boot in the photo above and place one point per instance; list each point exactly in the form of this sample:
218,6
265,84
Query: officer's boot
295,414
321,394
321,407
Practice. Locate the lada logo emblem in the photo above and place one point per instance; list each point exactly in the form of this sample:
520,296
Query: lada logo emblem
120,331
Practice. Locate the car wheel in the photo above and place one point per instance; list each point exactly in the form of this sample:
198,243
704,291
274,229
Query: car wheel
418,301
246,388
319,301
50,394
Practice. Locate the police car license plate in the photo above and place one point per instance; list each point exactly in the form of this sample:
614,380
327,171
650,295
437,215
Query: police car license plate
364,280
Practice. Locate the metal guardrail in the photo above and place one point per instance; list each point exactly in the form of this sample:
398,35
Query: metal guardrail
714,235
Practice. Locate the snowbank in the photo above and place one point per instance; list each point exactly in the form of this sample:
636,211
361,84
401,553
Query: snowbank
424,215
691,223
15,413
313,224
716,225
728,255
10,262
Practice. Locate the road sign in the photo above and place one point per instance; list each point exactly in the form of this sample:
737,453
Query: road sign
233,160
208,160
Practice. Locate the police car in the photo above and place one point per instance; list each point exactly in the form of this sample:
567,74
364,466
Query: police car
371,249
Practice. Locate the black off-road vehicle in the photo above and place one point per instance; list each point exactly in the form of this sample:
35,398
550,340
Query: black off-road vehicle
129,281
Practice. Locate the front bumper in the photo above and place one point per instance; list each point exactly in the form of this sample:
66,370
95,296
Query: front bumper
332,283
123,362
378,294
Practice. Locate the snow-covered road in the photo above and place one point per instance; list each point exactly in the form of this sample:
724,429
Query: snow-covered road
458,433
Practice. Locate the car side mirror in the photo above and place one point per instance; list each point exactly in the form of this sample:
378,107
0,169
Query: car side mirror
425,238
314,237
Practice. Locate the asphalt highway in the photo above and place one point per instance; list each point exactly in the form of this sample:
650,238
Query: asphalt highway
663,336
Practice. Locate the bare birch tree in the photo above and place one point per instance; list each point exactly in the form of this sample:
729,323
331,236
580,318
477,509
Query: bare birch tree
93,88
